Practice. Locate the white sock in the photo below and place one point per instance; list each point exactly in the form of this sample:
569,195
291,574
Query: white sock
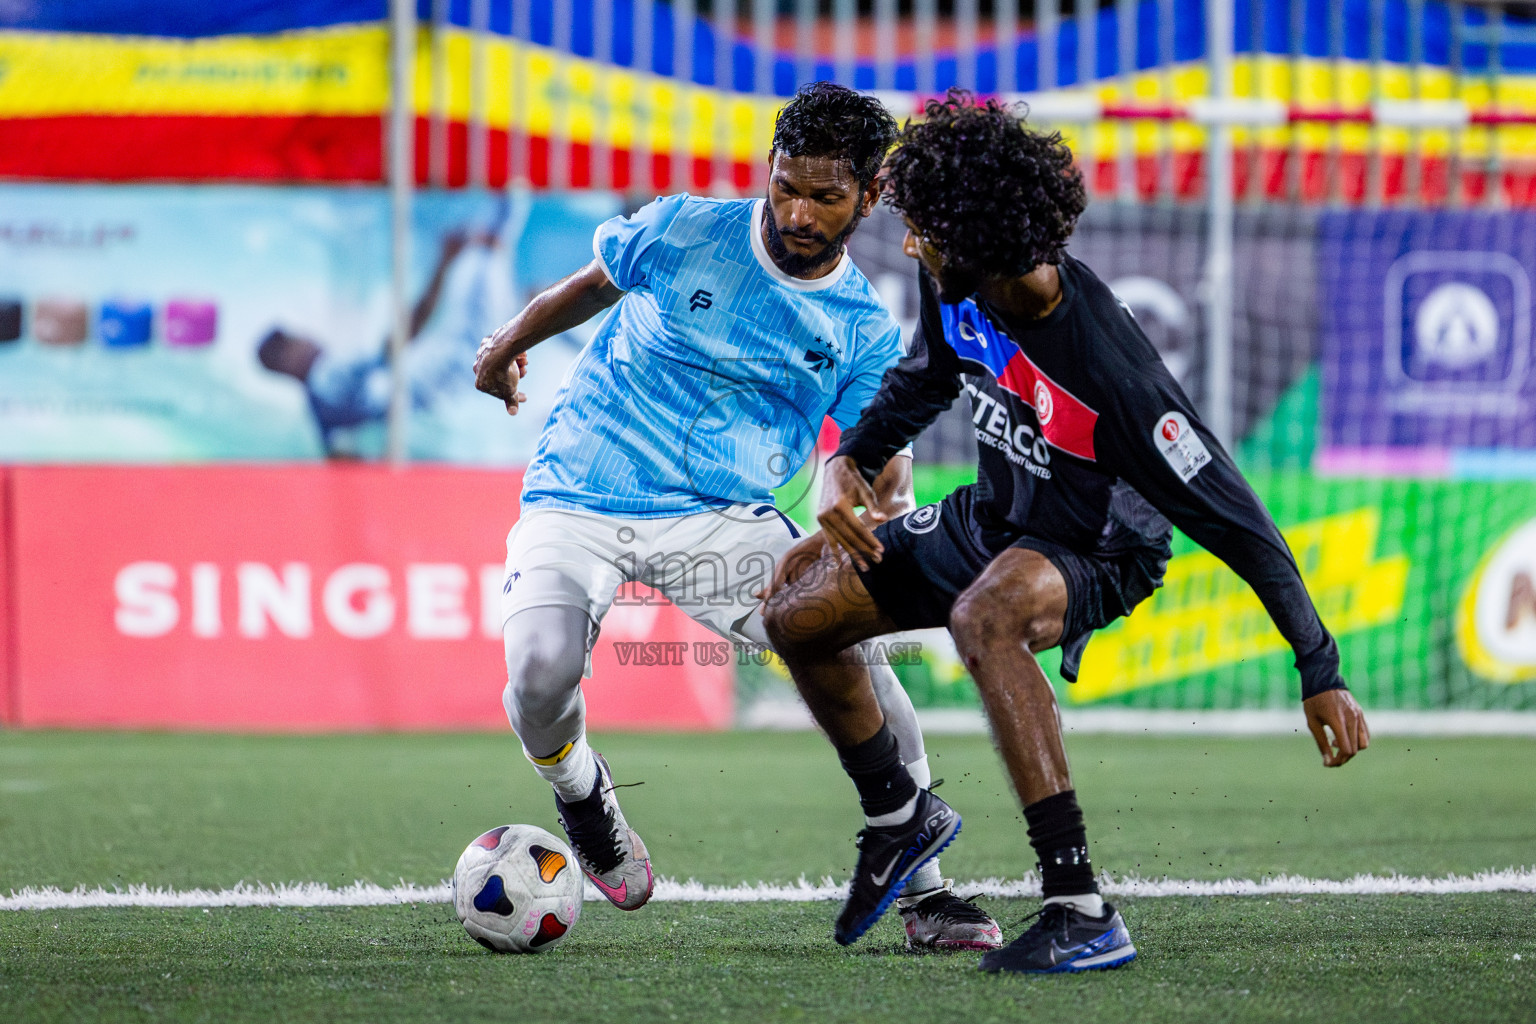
571,770
927,879
928,876
1090,903
896,817
920,772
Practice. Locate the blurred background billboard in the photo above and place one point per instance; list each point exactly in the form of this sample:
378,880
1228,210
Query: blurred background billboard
216,512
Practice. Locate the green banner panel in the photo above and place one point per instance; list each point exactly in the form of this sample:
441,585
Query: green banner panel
1427,585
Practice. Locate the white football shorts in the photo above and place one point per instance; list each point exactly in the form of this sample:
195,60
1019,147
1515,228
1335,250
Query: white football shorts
709,563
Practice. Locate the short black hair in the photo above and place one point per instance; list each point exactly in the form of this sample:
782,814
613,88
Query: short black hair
994,197
827,119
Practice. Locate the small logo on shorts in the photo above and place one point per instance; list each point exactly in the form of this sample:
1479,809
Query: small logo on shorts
512,577
924,519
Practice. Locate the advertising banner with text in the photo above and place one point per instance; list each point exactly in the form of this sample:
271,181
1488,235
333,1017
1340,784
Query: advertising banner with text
302,598
1429,587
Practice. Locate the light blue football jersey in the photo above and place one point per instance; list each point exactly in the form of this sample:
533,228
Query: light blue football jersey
708,382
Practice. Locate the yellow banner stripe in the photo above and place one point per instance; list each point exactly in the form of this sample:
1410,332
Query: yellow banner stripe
343,70
335,71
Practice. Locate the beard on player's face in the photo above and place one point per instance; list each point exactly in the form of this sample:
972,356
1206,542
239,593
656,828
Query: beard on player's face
794,263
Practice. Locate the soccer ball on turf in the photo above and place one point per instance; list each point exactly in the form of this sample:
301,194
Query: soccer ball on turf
517,889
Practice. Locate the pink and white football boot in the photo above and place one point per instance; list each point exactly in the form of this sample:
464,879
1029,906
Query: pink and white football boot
610,852
938,919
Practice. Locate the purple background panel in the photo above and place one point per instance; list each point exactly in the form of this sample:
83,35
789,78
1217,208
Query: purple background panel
1426,330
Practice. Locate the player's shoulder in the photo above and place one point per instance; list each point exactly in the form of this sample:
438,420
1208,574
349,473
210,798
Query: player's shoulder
861,297
1115,330
872,328
708,213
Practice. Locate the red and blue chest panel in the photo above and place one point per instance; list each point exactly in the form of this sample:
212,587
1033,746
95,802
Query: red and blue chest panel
1065,421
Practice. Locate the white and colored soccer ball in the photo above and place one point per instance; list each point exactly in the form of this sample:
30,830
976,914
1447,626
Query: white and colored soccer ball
517,889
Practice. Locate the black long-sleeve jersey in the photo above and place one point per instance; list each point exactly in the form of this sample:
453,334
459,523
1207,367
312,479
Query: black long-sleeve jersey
1080,428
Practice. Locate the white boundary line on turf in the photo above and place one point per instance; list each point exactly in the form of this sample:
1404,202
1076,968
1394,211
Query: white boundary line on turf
366,894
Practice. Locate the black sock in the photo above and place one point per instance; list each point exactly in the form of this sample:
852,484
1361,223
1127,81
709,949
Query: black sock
1060,841
588,807
877,772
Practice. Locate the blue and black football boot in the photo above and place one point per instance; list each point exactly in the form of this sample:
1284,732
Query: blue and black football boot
888,857
1063,940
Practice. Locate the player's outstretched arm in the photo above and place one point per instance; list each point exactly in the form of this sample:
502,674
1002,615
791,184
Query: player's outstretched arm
1157,443
1337,711
501,363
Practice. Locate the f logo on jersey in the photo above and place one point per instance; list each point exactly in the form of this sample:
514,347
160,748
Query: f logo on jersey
700,299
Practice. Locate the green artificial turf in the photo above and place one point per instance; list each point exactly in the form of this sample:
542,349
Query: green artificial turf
192,810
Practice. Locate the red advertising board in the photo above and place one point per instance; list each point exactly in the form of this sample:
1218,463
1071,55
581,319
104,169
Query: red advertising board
296,598
7,632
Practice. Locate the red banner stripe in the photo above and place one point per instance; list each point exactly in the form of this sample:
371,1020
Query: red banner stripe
299,149
350,149
185,148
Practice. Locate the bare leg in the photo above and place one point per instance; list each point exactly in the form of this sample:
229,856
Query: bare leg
1013,609
814,624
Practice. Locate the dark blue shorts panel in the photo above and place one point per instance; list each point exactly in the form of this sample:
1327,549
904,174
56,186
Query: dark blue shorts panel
932,556
929,559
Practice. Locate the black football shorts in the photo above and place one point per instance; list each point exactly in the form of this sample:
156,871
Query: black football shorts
934,553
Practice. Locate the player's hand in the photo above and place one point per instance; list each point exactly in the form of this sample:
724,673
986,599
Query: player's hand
1337,710
806,553
498,374
843,492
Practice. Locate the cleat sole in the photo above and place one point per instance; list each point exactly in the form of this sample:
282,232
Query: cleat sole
1103,962
952,944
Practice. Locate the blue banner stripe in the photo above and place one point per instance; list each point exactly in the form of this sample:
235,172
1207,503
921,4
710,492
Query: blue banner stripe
1272,34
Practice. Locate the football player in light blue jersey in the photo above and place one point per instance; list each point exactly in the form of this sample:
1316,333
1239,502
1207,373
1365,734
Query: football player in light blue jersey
737,326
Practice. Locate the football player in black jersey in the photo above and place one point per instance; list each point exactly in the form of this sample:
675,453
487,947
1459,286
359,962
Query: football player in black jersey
1088,449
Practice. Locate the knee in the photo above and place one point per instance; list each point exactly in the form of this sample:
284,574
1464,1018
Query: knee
984,618
542,673
793,626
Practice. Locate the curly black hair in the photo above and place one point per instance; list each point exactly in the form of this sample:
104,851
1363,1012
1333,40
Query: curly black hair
993,197
826,119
